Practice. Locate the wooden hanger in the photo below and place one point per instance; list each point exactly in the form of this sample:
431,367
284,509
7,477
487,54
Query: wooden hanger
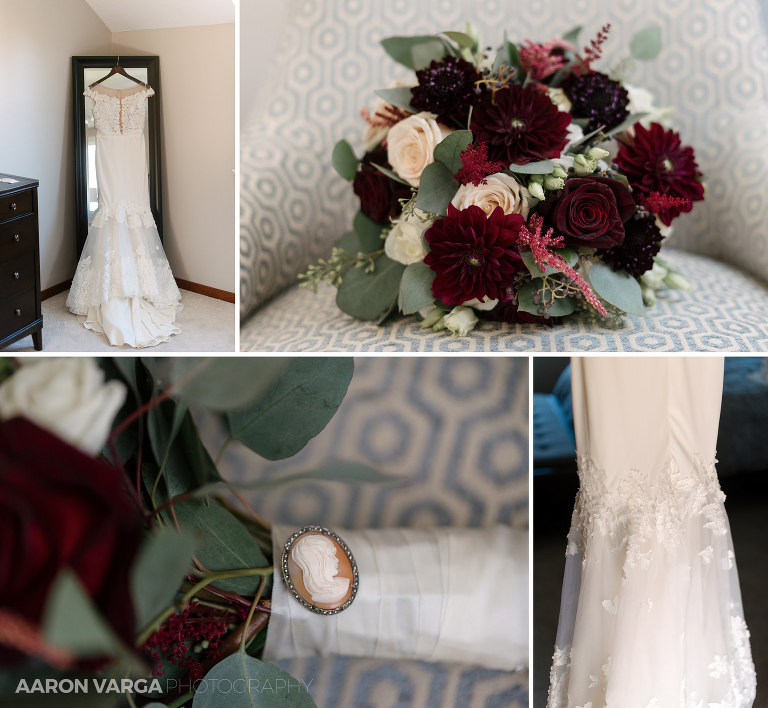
117,69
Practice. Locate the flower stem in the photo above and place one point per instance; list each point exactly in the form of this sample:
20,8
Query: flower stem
147,632
250,614
181,700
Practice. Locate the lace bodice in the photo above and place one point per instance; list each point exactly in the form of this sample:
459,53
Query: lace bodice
119,111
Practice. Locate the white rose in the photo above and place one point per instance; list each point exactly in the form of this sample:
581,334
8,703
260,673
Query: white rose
461,321
500,190
640,100
485,304
404,242
411,142
67,397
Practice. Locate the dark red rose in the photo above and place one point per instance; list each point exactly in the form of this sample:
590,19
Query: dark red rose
591,211
60,508
474,256
378,194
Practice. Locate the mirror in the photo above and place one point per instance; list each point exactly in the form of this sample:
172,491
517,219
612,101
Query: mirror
86,70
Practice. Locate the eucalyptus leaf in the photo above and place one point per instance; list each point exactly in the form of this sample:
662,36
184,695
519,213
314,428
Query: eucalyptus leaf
568,254
424,53
349,242
158,572
369,296
222,383
618,288
628,122
392,175
368,233
400,96
448,151
126,365
541,167
645,44
514,58
572,36
436,188
224,543
559,307
264,686
416,288
461,38
344,160
401,48
296,408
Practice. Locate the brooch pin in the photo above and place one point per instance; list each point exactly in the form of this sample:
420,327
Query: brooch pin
319,570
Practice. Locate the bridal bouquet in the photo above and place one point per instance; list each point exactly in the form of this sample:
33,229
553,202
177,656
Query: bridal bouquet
130,570
520,186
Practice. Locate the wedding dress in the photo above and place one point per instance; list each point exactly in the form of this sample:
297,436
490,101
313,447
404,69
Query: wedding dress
123,286
651,613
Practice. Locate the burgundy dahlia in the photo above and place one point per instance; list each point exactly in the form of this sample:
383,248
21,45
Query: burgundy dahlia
474,256
519,125
635,254
595,96
655,161
378,194
447,88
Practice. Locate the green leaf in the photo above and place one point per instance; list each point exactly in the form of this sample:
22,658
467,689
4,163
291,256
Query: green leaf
572,36
344,161
71,621
368,296
126,365
158,572
645,45
265,686
559,308
513,53
629,121
400,96
349,242
296,408
568,254
448,151
436,189
462,39
416,288
368,233
392,175
225,543
413,52
222,383
541,167
618,288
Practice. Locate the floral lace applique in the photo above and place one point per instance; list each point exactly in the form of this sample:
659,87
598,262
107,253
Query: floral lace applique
119,114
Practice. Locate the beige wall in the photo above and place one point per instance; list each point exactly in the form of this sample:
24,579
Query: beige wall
37,40
197,105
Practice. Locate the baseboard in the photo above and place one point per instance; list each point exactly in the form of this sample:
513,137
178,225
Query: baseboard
206,290
183,284
55,289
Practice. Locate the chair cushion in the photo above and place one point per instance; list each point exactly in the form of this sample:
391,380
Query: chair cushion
725,311
713,68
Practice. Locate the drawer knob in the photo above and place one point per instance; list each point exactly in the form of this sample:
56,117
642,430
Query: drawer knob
16,238
16,275
13,206
18,312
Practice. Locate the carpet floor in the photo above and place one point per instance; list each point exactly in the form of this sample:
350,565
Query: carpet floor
207,325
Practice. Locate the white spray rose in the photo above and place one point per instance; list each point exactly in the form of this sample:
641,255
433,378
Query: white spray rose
500,190
66,396
411,142
404,242
461,321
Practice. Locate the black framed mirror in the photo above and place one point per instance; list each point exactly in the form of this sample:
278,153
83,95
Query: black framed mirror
86,70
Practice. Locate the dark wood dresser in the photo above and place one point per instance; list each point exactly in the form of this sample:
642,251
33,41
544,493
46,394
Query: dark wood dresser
20,313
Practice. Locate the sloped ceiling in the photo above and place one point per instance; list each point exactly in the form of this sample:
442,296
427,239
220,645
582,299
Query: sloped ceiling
127,15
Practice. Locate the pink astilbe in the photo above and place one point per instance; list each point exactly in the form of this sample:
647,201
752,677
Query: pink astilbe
543,60
475,166
658,202
540,245
594,50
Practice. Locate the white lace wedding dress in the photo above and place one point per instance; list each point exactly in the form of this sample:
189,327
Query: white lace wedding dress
651,613
123,286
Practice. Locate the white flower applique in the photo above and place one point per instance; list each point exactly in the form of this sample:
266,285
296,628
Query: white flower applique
718,667
611,606
707,554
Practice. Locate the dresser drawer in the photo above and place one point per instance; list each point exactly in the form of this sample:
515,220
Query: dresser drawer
17,237
12,205
17,274
17,311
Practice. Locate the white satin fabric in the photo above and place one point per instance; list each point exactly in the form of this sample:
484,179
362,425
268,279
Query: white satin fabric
651,613
123,286
458,595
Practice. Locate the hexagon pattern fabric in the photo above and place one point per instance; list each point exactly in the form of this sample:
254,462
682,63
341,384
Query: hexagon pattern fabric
727,311
713,68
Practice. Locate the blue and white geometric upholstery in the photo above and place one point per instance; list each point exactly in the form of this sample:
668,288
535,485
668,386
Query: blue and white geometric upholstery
456,431
713,68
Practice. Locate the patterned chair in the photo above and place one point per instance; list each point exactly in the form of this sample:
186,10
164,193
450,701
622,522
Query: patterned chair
713,68
456,430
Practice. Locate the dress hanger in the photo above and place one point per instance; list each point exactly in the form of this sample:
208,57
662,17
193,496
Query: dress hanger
117,69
